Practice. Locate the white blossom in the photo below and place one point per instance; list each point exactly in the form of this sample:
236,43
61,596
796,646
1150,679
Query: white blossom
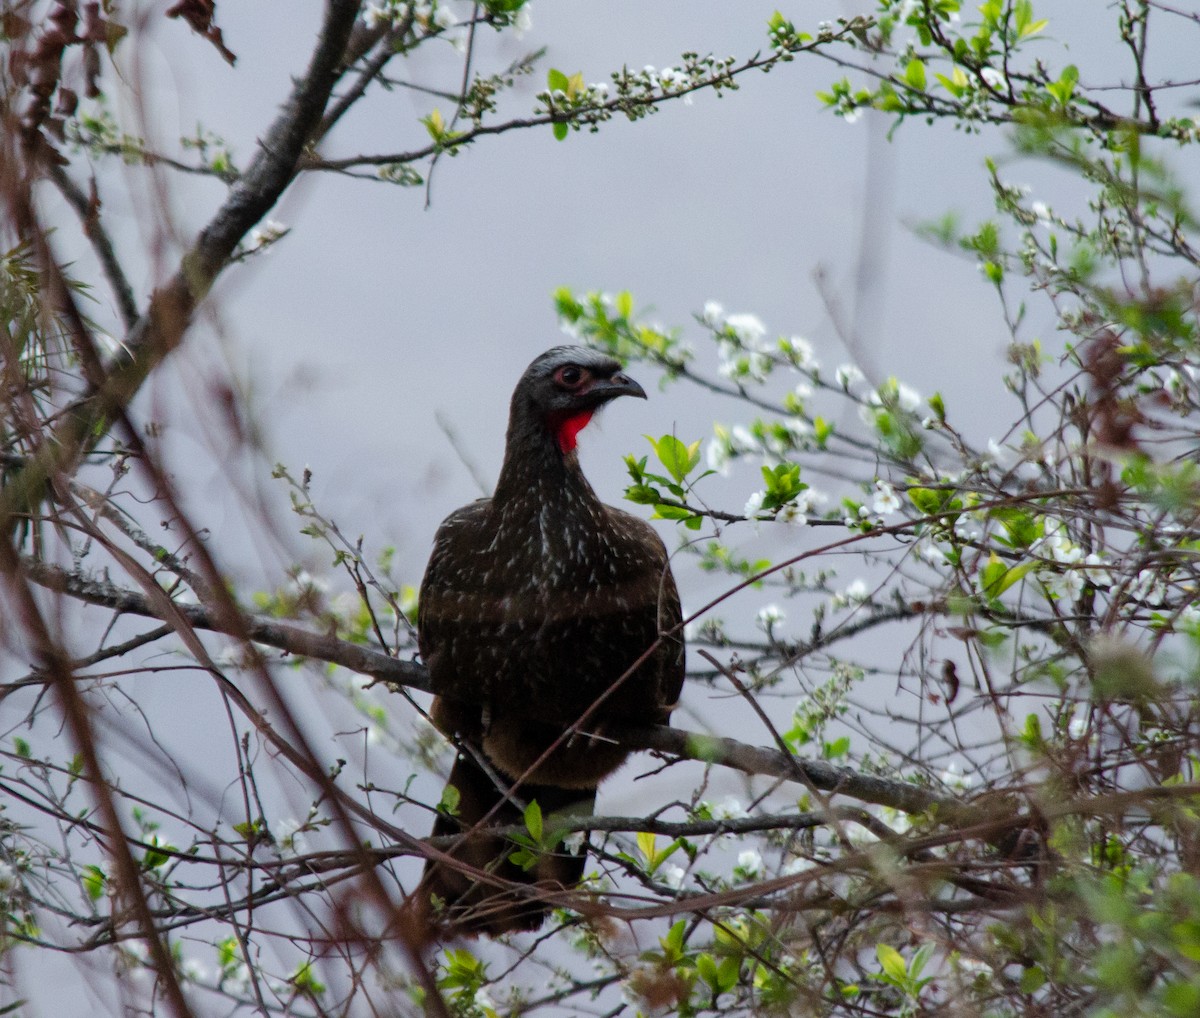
799,351
289,839
856,593
797,864
739,362
1041,212
729,808
908,397
933,553
237,980
717,454
742,439
968,528
1077,727
8,877
573,842
444,17
194,971
265,234
749,864
713,315
792,513
1065,583
1189,617
994,78
1096,574
672,79
748,328
885,502
847,375
524,22
954,778
483,1000
797,428
893,391
671,875
754,505
769,616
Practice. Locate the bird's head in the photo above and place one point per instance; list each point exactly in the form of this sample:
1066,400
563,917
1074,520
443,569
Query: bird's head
565,386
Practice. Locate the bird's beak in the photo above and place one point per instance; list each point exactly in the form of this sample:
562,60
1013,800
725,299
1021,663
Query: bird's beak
619,384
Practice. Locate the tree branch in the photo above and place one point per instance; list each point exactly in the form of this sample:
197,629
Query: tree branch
160,328
711,749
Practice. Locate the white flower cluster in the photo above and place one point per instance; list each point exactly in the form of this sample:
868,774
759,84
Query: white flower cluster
854,594
795,512
953,778
1067,569
894,393
749,865
264,235
432,18
769,616
847,375
729,808
745,352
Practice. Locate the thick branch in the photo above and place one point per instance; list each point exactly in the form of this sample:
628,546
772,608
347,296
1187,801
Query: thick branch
657,738
160,328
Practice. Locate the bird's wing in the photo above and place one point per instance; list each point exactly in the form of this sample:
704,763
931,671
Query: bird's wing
669,656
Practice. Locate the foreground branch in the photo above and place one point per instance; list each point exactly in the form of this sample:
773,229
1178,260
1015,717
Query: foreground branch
301,642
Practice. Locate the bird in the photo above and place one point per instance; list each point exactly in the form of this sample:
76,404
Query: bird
535,602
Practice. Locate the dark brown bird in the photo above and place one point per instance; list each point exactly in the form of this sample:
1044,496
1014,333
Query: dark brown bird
534,603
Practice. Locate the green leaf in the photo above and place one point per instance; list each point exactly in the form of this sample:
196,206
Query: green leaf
533,821
706,969
560,131
727,973
938,406
646,844
892,962
679,459
1032,979
914,75
1031,734
556,80
672,512
672,943
93,882
837,748
154,858
995,581
956,84
449,801
21,747
304,980
1064,88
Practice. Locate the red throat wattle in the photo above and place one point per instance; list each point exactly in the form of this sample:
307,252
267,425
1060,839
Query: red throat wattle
567,429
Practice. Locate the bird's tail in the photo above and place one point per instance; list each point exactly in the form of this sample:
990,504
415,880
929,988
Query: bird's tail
462,901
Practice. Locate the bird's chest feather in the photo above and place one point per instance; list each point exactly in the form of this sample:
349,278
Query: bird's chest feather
551,602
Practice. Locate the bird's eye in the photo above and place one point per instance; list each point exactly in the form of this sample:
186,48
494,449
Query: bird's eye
570,376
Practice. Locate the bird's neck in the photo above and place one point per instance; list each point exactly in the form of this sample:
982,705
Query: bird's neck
541,465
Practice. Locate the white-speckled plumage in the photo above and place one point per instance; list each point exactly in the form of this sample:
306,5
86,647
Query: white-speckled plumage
537,600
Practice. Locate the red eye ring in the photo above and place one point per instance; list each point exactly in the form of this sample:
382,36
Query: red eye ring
571,376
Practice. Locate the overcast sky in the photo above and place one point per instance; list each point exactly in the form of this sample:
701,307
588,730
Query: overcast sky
376,314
